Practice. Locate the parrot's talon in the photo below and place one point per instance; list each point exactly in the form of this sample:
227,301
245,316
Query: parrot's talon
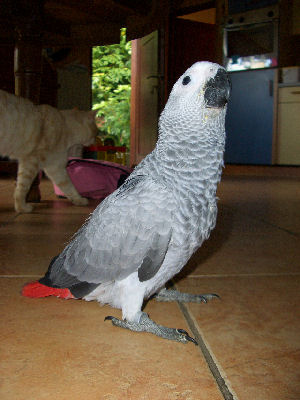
108,317
187,336
182,331
190,339
147,325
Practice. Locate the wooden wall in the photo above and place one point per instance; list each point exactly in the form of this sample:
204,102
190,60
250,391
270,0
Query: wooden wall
7,79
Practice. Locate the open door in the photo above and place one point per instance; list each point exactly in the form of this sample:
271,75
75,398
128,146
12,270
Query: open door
185,42
144,97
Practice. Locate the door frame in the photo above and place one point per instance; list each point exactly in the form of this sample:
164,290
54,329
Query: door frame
134,103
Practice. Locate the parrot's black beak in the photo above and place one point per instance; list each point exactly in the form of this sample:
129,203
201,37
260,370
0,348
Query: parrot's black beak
217,90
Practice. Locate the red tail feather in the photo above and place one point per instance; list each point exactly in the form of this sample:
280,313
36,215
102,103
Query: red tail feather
36,289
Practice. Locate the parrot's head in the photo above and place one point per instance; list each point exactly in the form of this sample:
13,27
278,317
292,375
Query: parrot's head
204,84
196,108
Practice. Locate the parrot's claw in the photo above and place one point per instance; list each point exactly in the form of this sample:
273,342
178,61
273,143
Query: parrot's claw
147,325
175,295
186,336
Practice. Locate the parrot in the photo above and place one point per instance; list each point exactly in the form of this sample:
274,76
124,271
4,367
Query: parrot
140,236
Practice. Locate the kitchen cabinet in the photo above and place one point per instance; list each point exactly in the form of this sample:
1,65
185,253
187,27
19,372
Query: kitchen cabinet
288,140
249,119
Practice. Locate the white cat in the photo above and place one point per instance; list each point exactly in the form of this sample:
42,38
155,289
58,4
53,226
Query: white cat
39,137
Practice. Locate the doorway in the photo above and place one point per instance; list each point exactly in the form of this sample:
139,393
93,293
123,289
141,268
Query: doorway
111,88
158,60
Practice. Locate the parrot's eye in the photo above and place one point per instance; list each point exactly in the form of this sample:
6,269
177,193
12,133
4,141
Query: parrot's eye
186,80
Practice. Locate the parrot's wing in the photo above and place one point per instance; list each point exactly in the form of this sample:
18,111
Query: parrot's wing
129,231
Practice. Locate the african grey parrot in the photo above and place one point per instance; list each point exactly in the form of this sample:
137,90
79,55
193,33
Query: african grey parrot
144,233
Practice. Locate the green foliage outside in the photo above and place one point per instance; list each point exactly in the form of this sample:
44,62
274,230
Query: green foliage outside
111,89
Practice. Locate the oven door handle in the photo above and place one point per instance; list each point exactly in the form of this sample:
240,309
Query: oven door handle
271,87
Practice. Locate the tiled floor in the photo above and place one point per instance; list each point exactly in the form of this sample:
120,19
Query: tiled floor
249,341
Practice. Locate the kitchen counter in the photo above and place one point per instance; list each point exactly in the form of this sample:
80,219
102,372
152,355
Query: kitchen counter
281,85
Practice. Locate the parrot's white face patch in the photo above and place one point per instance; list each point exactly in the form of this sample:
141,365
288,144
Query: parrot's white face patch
203,84
195,77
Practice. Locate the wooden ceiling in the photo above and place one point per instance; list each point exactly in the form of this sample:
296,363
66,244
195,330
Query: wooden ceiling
79,22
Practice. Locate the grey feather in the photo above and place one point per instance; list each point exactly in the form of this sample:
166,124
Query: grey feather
154,257
117,238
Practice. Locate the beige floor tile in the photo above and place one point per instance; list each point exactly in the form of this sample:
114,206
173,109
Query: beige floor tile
7,212
272,200
29,241
257,228
240,244
253,332
63,349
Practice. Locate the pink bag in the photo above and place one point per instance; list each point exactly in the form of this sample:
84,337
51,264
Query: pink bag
93,178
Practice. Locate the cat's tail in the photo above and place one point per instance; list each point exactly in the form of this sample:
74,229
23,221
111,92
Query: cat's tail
37,289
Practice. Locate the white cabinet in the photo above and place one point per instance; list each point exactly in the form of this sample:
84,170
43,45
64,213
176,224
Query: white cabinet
289,125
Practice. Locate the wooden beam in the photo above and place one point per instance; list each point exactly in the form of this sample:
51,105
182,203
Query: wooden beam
96,34
157,18
87,11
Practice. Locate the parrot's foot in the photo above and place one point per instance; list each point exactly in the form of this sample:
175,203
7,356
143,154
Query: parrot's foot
175,295
145,324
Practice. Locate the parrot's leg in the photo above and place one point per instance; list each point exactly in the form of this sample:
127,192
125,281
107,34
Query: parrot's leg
175,295
146,324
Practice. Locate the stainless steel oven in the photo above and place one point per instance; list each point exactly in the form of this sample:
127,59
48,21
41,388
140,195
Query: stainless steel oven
251,39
